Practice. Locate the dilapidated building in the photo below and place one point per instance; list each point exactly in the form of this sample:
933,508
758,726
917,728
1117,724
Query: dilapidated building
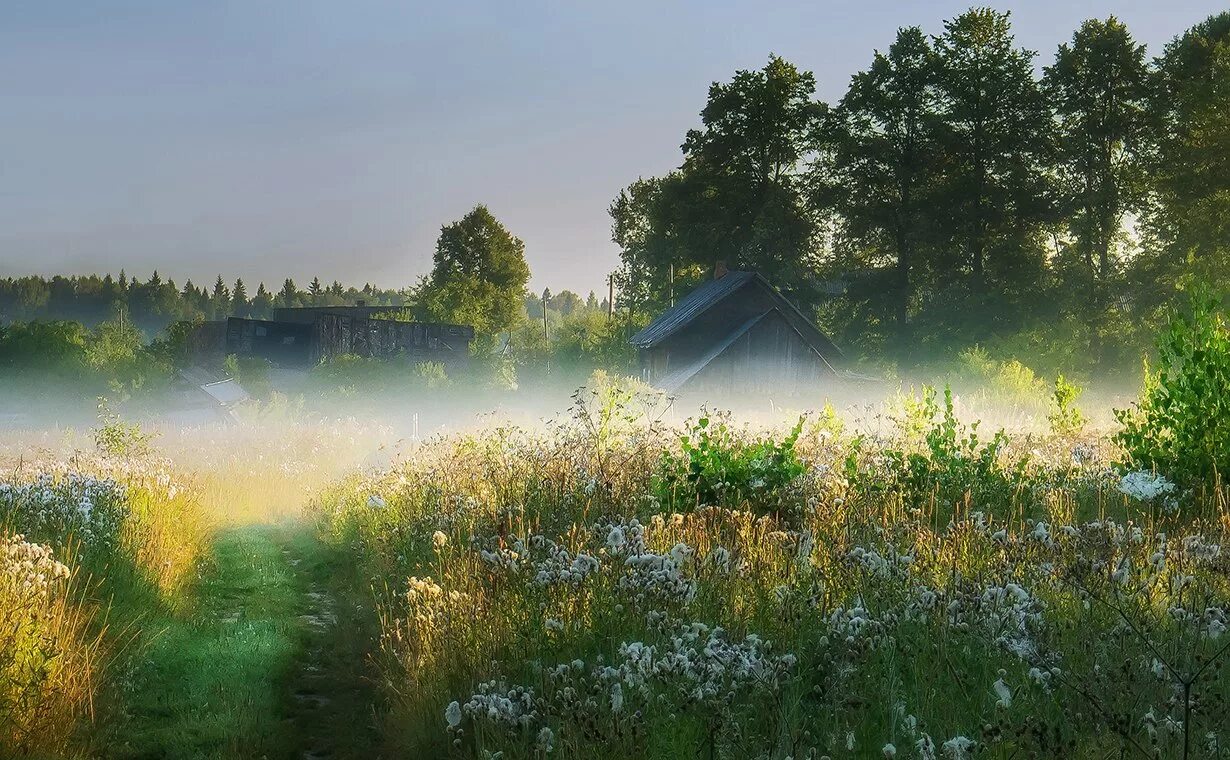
735,334
300,338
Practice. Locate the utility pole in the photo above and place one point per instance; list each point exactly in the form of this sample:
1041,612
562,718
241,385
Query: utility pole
672,284
610,296
546,334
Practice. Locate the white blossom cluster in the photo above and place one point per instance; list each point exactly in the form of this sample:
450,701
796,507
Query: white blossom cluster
29,569
1143,485
561,567
89,507
702,663
650,576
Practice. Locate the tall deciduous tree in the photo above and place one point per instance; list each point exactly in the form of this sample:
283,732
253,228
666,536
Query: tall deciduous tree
995,133
1099,87
479,274
737,197
879,170
1192,222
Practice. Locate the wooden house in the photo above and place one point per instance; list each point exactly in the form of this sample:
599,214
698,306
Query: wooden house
735,334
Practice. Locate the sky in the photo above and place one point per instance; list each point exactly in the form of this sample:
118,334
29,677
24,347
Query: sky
333,139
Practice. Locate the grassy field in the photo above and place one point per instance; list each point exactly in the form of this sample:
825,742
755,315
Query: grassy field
609,587
899,582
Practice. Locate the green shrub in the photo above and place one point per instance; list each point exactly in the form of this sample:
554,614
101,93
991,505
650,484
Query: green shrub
719,466
943,458
431,375
1181,424
116,438
1065,417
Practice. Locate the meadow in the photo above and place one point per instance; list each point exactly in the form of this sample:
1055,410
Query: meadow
631,578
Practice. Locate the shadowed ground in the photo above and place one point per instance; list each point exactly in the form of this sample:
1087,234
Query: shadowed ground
268,664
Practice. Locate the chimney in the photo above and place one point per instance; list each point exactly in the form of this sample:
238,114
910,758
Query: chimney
719,269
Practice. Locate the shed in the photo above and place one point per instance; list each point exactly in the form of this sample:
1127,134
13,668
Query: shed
735,333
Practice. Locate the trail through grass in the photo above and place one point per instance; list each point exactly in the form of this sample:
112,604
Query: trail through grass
265,665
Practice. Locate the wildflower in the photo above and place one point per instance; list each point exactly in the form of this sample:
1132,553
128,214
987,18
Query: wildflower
376,502
1004,693
616,540
958,748
1145,486
439,540
452,714
546,740
889,751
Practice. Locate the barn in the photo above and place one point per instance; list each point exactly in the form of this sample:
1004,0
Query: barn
304,337
735,334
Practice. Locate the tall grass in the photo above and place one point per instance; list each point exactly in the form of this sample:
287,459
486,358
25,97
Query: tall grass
928,591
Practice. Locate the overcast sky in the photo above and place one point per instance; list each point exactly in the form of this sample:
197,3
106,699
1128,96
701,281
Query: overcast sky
293,137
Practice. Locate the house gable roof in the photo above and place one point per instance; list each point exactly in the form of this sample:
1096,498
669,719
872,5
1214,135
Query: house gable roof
713,292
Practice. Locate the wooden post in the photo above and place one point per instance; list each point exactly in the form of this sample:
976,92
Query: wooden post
546,335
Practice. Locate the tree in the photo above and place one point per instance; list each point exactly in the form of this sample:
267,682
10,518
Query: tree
220,301
880,168
288,297
479,274
1099,87
1191,223
994,134
315,290
239,299
737,197
262,302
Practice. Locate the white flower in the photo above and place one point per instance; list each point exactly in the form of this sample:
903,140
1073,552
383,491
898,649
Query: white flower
376,502
1145,486
958,748
452,714
890,751
1004,693
546,739
439,540
615,540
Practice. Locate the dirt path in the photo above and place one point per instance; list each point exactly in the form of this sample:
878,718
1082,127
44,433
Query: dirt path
269,664
330,697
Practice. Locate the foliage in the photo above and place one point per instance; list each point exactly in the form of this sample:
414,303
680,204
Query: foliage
1066,418
478,277
550,602
1180,426
252,372
431,375
737,197
718,466
115,438
1099,86
1004,382
944,460
1192,170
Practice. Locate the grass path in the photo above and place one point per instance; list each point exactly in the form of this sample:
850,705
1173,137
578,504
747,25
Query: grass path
267,665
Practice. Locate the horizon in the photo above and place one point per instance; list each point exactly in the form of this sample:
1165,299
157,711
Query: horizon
302,140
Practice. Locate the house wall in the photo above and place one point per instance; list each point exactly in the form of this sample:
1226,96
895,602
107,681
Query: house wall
772,358
698,336
283,343
336,334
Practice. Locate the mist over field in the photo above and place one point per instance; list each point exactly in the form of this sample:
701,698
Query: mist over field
896,423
